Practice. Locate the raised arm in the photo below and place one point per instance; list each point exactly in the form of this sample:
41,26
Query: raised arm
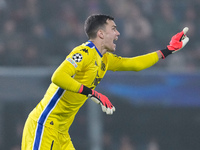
142,62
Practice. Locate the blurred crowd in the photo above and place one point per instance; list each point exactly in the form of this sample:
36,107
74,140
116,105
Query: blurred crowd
43,32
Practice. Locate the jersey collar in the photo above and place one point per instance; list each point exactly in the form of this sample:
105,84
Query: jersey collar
91,45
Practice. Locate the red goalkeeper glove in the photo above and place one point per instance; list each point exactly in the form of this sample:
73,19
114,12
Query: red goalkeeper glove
177,42
98,98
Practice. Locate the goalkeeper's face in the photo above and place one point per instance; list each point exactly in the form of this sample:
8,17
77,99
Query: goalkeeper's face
110,36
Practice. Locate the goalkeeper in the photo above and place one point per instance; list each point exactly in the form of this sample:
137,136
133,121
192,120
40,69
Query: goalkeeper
74,81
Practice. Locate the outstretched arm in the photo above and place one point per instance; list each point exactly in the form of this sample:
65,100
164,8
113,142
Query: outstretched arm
142,62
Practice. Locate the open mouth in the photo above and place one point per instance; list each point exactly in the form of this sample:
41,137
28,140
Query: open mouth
115,40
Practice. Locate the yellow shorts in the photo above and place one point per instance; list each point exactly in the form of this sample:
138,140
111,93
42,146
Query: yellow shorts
39,137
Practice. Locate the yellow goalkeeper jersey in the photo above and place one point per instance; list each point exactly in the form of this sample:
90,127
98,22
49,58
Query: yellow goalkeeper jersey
84,65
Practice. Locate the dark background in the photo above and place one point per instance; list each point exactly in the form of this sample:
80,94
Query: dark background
156,109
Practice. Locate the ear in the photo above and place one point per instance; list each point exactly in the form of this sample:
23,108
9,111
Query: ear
100,34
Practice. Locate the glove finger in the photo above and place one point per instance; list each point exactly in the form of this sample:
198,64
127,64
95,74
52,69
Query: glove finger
108,111
111,112
103,108
113,109
185,30
185,41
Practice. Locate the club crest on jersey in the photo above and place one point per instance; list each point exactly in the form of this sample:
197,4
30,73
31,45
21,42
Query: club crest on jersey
77,57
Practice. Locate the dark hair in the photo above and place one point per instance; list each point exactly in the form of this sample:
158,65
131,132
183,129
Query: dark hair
94,22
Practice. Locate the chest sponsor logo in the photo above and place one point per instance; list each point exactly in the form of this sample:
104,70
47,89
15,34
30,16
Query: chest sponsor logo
96,80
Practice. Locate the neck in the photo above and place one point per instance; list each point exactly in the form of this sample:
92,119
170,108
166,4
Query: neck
99,45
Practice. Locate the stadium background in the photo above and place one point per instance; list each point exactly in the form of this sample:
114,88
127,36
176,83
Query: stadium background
157,109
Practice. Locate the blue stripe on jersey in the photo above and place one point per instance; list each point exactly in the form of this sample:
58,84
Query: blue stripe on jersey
44,116
38,137
91,45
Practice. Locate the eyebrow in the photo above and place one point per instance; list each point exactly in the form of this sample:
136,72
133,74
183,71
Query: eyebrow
114,26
